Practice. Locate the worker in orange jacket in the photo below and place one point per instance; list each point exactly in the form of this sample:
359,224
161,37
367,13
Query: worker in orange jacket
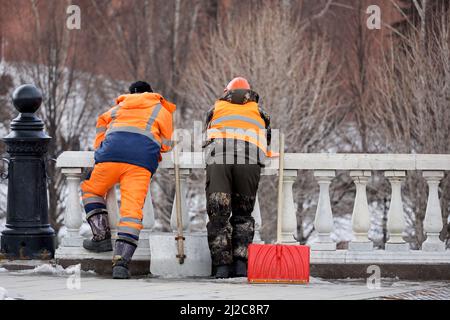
238,139
128,144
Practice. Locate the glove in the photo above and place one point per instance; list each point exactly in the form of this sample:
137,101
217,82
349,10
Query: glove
272,154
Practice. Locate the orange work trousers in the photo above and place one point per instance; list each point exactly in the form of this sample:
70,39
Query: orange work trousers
134,182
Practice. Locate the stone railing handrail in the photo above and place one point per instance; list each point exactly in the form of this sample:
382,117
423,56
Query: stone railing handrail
295,161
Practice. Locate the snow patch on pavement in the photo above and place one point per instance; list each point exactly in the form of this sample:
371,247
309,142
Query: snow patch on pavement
57,270
4,294
47,269
313,280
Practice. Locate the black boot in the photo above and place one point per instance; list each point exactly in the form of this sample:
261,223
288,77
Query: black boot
122,256
101,240
239,268
222,272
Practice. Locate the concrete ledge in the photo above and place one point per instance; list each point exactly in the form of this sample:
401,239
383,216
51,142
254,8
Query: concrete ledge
360,246
104,267
339,264
19,265
101,263
409,265
397,247
414,257
393,270
79,253
324,246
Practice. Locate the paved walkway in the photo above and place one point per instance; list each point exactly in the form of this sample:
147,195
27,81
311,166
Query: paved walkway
62,285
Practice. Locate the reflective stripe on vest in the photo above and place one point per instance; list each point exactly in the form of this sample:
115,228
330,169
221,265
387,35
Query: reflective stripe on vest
153,116
242,123
114,114
134,130
239,118
100,130
250,132
145,132
240,134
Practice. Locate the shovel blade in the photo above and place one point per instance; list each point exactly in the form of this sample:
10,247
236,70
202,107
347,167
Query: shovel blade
278,263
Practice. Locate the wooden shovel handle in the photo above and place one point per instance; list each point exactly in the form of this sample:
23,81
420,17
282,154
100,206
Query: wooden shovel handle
179,238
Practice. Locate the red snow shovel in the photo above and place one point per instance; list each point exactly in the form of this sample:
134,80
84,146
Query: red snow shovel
278,263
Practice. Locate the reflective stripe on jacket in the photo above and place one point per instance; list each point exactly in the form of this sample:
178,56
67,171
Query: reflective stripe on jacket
238,121
135,131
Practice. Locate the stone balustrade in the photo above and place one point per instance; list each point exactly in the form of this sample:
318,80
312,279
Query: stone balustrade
324,167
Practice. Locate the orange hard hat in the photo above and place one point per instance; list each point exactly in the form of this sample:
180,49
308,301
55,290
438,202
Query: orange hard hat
238,83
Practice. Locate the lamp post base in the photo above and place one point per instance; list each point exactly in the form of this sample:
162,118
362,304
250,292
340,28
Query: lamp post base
28,246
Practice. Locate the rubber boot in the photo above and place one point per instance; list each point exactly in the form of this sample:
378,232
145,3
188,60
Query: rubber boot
123,252
239,268
222,272
101,240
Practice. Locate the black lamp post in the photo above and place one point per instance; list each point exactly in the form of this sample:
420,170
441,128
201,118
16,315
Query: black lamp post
28,234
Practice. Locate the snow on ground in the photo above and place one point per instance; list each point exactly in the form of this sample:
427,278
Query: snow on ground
85,230
3,293
342,231
197,210
313,280
57,270
47,269
158,225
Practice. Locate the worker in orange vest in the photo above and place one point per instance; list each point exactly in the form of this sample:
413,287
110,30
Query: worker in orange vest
128,144
237,144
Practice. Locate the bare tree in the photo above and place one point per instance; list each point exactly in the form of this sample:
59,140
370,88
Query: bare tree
70,96
412,105
287,66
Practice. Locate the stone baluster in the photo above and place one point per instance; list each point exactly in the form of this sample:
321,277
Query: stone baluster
184,174
113,211
148,220
360,216
149,213
323,222
432,223
256,214
289,223
396,221
73,213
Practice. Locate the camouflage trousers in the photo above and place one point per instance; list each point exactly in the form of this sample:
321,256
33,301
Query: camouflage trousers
231,226
230,197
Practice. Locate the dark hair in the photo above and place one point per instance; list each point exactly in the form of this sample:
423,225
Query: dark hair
140,87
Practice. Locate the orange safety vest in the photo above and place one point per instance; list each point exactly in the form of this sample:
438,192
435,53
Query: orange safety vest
237,121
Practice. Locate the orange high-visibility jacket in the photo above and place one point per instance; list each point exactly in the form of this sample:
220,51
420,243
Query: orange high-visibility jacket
237,121
135,131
